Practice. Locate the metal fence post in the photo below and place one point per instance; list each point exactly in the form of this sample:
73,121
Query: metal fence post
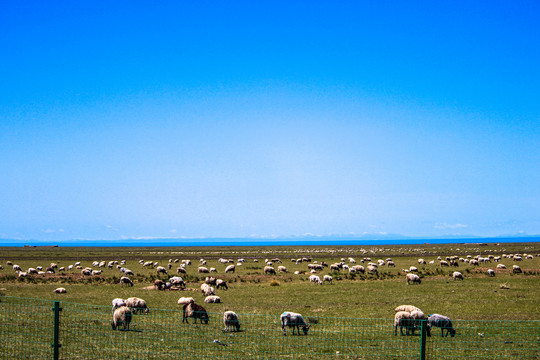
56,337
423,327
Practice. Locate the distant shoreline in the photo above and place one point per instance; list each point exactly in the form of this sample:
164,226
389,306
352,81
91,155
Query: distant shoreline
263,242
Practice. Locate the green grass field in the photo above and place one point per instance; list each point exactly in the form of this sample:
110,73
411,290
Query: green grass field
342,313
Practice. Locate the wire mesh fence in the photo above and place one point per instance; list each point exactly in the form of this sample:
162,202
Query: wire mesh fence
85,332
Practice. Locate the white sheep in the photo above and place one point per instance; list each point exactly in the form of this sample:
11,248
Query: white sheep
230,319
327,278
442,322
116,303
516,269
207,290
212,299
403,319
294,320
161,269
202,269
491,272
230,269
282,268
315,279
457,275
407,308
60,290
269,270
121,317
177,281
501,266
185,300
137,305
413,278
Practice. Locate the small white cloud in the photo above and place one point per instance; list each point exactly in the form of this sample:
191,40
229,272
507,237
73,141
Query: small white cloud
110,227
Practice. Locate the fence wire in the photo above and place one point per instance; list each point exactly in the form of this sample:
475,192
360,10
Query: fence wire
26,326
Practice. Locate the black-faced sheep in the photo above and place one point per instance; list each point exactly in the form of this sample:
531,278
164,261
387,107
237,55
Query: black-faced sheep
230,319
121,317
124,280
442,322
457,275
294,320
202,269
194,311
221,284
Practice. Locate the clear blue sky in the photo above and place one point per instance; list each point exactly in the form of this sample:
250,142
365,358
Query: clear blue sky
248,118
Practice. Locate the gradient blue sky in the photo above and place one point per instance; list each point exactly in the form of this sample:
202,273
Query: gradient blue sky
248,118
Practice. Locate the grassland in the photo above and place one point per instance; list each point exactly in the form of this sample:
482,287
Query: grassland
350,319
479,297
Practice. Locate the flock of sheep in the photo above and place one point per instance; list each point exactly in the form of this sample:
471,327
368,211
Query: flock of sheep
410,317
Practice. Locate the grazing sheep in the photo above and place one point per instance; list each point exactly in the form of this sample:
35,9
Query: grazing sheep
282,269
422,261
124,280
121,317
359,269
230,269
327,278
457,275
230,319
212,299
213,270
516,269
177,281
403,319
194,311
161,270
491,272
269,270
413,278
221,284
181,270
60,290
116,303
128,272
96,272
442,322
159,284
390,264
418,316
202,269
210,280
137,305
185,300
294,320
315,279
407,308
501,266
371,269
207,290
413,269
444,263
87,272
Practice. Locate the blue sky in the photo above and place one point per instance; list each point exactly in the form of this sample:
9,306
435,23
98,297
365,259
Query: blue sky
234,119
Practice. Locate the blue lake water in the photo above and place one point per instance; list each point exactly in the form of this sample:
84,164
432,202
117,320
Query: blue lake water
266,242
